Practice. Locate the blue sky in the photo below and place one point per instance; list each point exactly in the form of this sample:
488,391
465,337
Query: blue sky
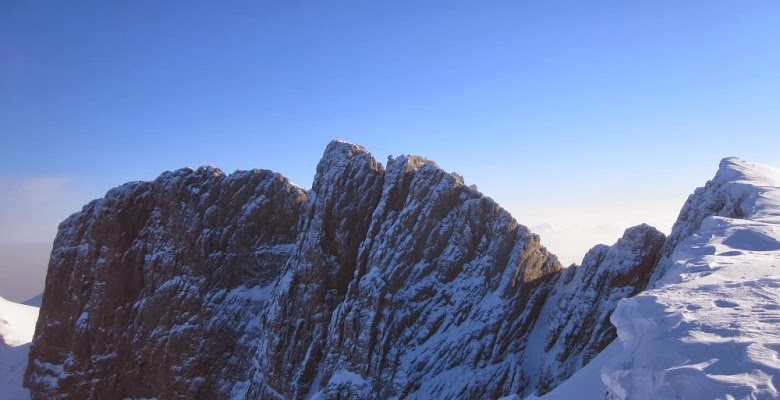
581,114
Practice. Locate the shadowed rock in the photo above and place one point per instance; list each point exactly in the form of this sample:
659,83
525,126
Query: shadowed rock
155,287
379,283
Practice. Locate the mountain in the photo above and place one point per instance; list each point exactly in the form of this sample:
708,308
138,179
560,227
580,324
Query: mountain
34,301
577,325
156,290
17,322
382,281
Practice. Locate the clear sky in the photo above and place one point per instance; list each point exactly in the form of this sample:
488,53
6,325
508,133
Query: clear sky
581,118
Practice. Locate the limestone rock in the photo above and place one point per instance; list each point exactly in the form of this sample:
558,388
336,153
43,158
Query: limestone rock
380,282
160,284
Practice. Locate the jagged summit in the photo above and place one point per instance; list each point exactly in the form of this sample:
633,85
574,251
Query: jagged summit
393,281
339,151
359,287
342,144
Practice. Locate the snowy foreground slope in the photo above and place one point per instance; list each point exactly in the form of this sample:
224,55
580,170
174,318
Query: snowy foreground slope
711,326
17,322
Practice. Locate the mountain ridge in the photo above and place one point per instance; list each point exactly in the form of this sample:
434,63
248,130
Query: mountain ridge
393,281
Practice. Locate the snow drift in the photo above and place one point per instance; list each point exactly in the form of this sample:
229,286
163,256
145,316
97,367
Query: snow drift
711,326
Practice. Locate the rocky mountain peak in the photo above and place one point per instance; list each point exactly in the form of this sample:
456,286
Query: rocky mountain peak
577,327
396,282
152,286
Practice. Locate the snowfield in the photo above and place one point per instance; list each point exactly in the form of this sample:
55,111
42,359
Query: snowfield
17,324
710,327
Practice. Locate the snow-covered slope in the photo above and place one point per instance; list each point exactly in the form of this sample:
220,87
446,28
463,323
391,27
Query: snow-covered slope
586,384
711,327
17,323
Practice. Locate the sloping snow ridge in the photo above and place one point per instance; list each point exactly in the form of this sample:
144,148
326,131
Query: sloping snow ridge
711,327
17,323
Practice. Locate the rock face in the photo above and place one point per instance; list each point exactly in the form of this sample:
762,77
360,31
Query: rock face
338,214
381,282
440,281
578,327
152,287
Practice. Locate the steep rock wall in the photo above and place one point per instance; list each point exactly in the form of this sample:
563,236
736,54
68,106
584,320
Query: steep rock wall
396,282
152,290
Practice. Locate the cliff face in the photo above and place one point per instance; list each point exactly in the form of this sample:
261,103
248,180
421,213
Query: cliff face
152,288
578,325
428,279
337,216
396,282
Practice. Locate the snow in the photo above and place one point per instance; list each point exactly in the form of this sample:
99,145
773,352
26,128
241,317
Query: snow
346,377
710,327
586,383
715,330
17,325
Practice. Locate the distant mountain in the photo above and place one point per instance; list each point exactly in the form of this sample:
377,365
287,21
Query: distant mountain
34,301
393,281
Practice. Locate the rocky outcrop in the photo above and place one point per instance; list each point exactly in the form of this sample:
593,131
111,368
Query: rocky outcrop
443,281
578,327
337,217
152,290
381,282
